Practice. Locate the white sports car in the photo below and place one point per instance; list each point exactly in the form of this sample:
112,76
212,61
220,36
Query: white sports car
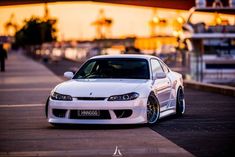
120,89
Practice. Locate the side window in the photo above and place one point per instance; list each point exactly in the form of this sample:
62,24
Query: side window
165,68
156,67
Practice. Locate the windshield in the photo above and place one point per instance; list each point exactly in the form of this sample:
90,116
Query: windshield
126,68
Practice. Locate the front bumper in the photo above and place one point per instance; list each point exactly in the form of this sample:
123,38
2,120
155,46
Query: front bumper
137,106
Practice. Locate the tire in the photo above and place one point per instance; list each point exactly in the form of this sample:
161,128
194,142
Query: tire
180,102
153,110
56,125
46,107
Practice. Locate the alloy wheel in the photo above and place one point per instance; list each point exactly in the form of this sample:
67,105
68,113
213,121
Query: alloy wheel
153,111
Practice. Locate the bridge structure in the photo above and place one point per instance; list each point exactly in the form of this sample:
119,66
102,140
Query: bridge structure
171,4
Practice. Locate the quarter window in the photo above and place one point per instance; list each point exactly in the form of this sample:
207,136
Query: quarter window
156,67
164,67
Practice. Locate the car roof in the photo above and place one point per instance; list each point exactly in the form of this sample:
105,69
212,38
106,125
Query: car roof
125,56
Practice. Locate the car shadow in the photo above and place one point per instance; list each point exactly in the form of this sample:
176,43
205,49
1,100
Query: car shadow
110,126
95,126
171,117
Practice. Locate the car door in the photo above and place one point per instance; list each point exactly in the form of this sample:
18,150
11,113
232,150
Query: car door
161,87
169,76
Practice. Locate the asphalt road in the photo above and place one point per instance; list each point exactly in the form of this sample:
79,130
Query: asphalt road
206,130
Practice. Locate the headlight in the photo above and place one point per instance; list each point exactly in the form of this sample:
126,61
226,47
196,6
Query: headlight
124,97
57,96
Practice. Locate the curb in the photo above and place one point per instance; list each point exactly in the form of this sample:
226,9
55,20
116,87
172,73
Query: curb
221,89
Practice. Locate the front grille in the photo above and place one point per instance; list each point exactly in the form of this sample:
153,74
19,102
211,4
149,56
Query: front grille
104,114
123,113
59,113
90,98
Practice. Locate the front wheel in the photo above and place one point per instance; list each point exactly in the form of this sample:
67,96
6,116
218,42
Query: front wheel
153,110
180,102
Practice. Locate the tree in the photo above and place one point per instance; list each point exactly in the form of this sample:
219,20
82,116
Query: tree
35,32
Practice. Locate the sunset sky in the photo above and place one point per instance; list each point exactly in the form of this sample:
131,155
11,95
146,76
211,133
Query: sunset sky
75,18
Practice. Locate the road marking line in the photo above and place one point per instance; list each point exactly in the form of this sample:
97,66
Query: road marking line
21,105
25,89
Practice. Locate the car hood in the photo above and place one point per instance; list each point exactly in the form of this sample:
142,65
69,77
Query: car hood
98,87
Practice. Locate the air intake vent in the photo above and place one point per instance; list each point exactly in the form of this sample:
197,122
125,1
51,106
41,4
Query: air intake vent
90,98
123,113
59,113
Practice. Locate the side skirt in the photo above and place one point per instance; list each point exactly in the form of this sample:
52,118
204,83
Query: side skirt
167,112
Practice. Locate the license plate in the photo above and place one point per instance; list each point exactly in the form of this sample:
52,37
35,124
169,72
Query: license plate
92,113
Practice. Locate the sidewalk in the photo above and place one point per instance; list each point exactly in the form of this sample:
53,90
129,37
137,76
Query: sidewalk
29,82
24,130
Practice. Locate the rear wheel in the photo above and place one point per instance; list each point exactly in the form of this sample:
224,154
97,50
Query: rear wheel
180,102
153,110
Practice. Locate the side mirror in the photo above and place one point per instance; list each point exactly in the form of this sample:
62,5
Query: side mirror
160,75
68,74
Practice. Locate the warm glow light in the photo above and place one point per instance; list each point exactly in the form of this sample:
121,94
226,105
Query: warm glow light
155,19
175,33
154,43
180,20
218,19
